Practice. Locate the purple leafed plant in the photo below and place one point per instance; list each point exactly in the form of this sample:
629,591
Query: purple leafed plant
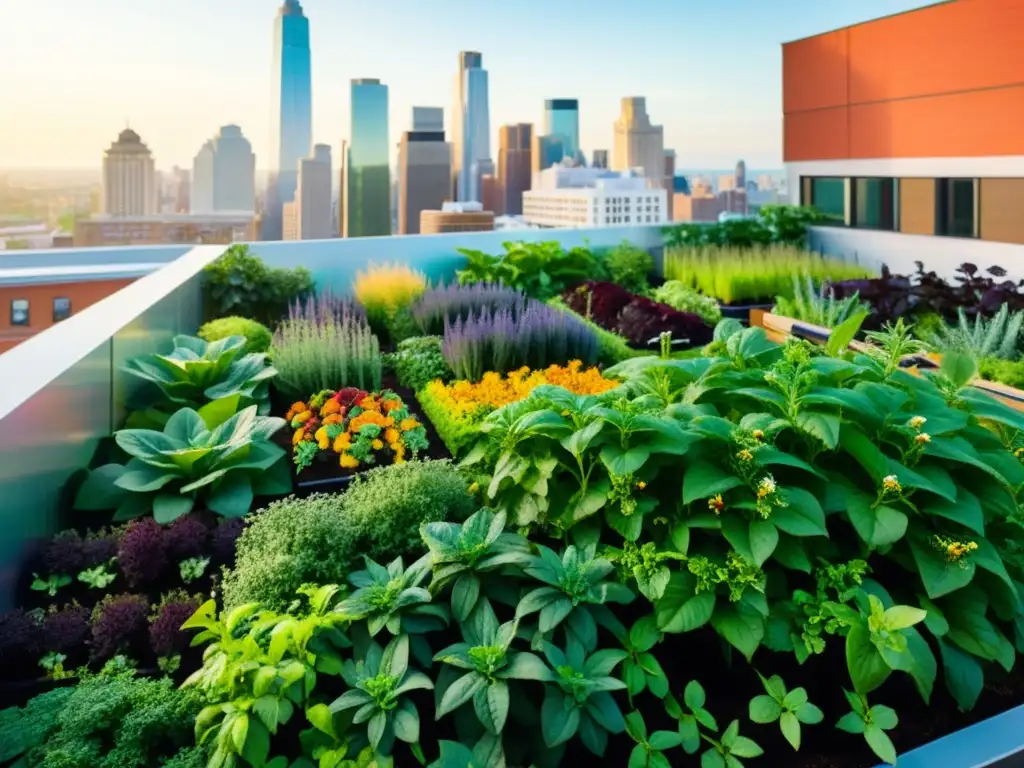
66,631
119,624
142,552
186,537
527,333
449,302
165,634
225,535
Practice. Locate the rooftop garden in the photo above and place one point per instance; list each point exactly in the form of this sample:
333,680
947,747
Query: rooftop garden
562,508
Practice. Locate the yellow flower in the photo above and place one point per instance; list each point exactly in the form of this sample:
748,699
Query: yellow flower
891,484
364,418
954,549
392,435
1019,452
922,438
745,455
303,417
298,436
406,424
766,487
334,418
377,444
321,438
917,422
296,408
396,446
349,461
342,442
758,434
641,485
716,504
473,488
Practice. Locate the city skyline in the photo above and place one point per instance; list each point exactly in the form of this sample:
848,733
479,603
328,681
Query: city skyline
715,90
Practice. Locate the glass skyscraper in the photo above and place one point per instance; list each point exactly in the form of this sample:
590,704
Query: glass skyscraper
291,127
471,127
562,120
367,168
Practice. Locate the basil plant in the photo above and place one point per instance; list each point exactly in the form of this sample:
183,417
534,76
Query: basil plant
215,457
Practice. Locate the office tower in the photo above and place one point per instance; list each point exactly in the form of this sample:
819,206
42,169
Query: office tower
224,174
367,169
424,168
670,175
181,190
741,175
562,119
129,178
310,215
725,182
600,158
592,197
471,128
515,165
457,217
638,143
546,151
291,127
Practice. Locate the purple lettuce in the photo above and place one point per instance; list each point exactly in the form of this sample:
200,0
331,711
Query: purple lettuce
119,624
66,631
447,303
165,634
142,552
186,537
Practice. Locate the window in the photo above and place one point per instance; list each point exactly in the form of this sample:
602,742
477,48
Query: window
828,195
955,207
874,204
19,312
61,309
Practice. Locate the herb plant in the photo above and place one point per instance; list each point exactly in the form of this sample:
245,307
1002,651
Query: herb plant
257,336
540,270
788,708
680,296
818,306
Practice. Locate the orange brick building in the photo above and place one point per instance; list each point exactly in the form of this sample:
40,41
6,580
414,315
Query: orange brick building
908,133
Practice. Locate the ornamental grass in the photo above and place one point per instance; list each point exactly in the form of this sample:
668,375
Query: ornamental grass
737,275
325,342
386,289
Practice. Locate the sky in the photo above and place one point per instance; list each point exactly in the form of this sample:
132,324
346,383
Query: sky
73,73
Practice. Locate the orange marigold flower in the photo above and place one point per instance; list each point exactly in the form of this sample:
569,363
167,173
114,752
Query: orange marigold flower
406,424
364,418
331,406
303,417
321,439
342,442
368,403
348,461
392,435
296,408
390,405
377,444
334,418
298,436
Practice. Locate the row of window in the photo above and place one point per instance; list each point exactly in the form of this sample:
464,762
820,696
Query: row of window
20,311
961,207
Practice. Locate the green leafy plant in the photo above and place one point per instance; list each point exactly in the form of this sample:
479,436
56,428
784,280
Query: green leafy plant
680,296
418,361
872,723
215,455
257,336
693,718
99,577
727,751
818,306
629,266
193,568
649,751
240,284
998,337
1010,373
197,372
540,270
790,709
390,598
51,584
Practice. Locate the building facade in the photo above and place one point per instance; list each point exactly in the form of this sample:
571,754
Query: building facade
471,127
600,158
165,229
592,197
457,217
129,177
311,215
367,167
515,167
545,152
224,174
912,153
638,143
424,168
562,120
291,112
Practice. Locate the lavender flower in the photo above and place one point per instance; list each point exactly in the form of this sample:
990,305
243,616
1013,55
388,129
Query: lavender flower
449,302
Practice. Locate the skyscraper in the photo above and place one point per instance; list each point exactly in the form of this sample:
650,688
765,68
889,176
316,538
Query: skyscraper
291,127
741,175
471,127
515,165
310,215
129,178
638,143
367,170
600,158
424,168
562,119
224,174
546,151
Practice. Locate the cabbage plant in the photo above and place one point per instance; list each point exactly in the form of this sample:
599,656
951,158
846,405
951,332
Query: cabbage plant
197,371
217,457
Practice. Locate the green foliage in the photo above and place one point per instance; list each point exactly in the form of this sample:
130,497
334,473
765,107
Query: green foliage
611,348
818,307
197,372
257,336
1010,373
240,284
540,270
215,455
680,296
872,723
103,722
790,709
725,753
736,275
629,266
99,577
51,585
998,337
782,224
418,361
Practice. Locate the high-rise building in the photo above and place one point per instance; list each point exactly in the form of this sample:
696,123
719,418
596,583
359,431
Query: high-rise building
181,190
741,175
129,177
600,158
224,174
291,126
545,152
726,182
310,215
562,119
367,168
424,168
471,127
515,166
639,143
670,175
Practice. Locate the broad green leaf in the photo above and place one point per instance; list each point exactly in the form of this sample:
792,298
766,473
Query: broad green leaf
763,539
824,426
769,456
100,491
215,413
764,709
939,576
963,674
168,507
703,480
740,625
902,617
960,368
966,510
232,497
681,609
790,726
621,461
838,340
803,515
880,743
865,664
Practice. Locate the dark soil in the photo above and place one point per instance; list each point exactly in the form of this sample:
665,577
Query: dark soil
325,475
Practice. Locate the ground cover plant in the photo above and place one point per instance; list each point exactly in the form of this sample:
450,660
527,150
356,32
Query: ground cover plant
686,299
354,428
257,336
540,270
736,275
325,342
629,266
417,361
457,409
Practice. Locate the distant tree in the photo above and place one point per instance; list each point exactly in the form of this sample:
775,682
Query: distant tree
18,245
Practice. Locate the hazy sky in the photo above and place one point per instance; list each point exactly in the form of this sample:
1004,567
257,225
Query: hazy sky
72,72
